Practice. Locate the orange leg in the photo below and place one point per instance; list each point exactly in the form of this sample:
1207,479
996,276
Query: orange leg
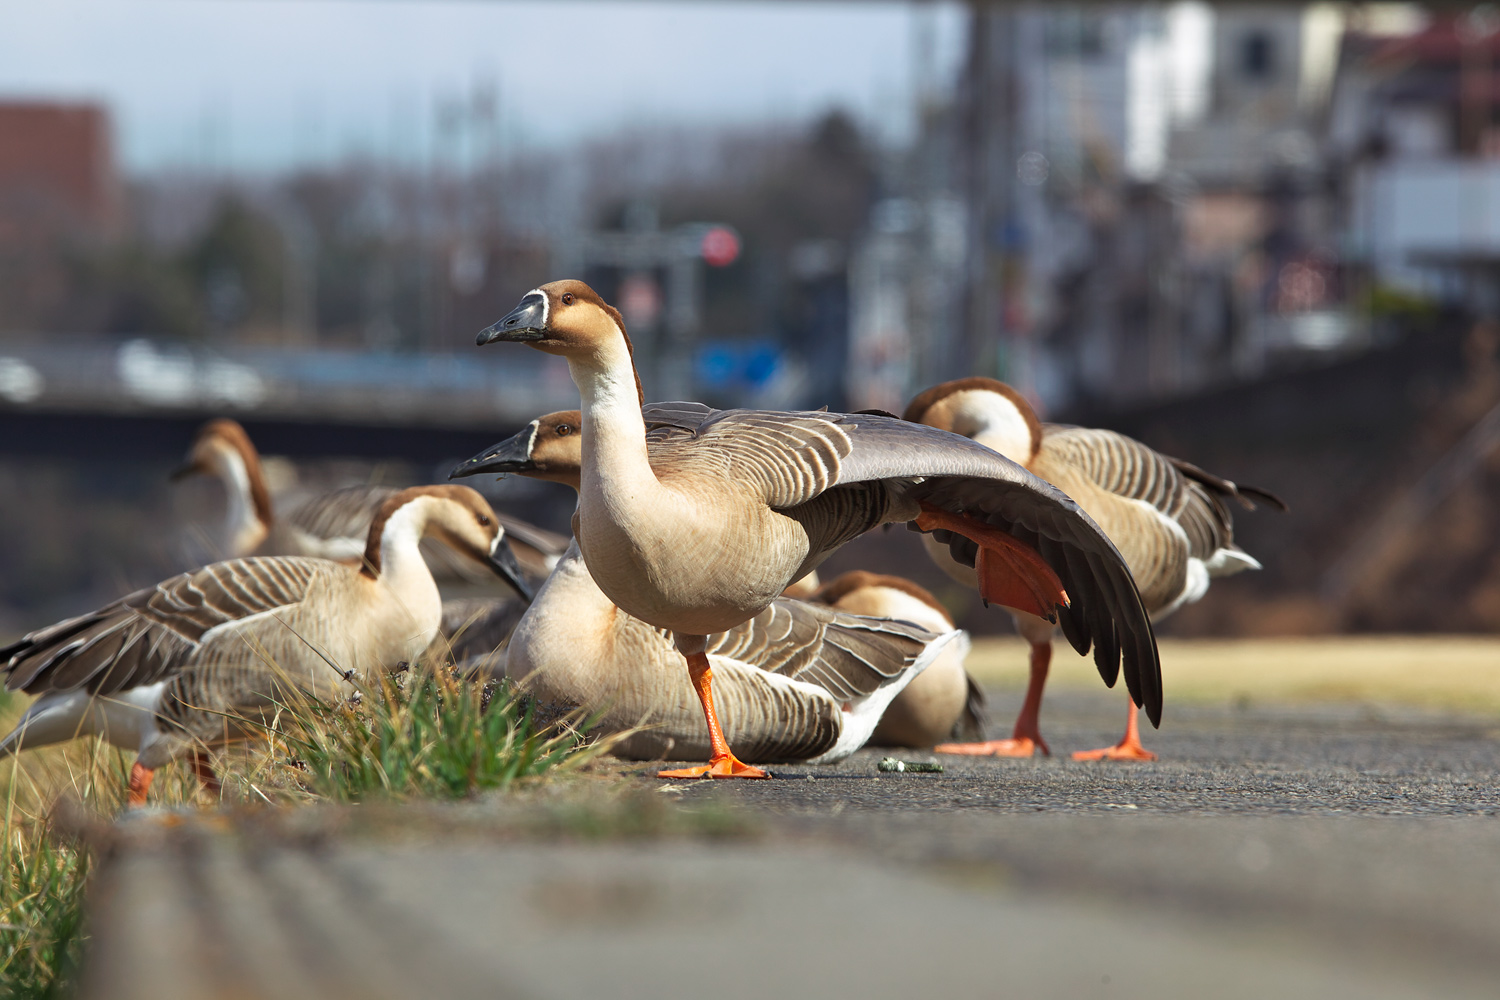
140,784
721,763
1027,737
1128,748
198,761
1011,573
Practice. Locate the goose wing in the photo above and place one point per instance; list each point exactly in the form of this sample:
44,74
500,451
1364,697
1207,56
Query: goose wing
155,633
1125,467
548,543
342,513
789,459
849,656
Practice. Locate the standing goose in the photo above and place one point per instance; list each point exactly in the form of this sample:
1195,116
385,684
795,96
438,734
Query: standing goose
695,519
163,670
1168,518
943,702
798,682
330,525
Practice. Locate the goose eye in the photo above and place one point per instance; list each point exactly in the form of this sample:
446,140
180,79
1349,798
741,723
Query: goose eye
563,430
484,520
567,298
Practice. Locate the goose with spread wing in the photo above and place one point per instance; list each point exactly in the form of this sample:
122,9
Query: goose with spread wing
798,682
694,519
168,670
1169,519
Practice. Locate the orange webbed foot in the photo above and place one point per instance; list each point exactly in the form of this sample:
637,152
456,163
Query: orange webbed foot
727,766
1124,750
139,786
1015,747
1011,573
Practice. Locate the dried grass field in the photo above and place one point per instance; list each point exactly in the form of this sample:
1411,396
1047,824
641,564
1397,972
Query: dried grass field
1448,672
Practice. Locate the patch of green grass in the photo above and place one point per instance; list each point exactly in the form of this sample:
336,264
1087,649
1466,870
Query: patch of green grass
427,733
41,913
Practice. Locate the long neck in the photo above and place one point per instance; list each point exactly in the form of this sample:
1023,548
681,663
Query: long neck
245,526
400,562
614,435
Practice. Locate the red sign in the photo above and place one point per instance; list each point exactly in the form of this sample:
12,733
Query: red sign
720,247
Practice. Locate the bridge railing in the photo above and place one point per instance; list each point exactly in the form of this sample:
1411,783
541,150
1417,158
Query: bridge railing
469,389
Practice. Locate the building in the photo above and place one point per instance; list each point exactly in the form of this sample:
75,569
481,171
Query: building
57,173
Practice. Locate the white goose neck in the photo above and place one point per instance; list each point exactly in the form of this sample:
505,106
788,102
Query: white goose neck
400,556
614,435
995,422
243,528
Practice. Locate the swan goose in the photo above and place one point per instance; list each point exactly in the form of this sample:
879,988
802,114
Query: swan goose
798,682
1168,519
941,703
695,520
162,670
330,525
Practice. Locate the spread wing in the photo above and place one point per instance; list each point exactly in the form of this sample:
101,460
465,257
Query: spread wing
790,459
849,656
153,633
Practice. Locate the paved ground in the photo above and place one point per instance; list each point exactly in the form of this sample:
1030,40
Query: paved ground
1308,852
1328,760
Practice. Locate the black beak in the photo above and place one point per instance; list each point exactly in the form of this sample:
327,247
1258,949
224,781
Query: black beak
511,455
525,322
503,561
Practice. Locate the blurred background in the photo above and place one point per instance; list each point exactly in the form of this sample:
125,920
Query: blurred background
1263,238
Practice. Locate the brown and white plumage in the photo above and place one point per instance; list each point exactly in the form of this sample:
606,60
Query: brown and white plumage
166,668
943,702
797,682
329,525
696,519
1169,519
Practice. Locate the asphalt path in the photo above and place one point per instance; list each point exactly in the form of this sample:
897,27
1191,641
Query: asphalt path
1237,760
1311,851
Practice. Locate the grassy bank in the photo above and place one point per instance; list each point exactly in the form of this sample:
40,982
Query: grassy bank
425,734
1456,673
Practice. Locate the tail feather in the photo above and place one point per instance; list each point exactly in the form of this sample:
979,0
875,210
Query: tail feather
969,727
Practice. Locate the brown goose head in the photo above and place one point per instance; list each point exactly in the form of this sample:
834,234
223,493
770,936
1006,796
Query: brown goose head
567,318
455,515
550,448
987,410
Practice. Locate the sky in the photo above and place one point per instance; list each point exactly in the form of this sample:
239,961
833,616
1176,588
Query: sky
261,85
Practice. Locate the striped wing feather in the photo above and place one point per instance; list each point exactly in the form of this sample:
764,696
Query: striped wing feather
849,656
153,633
791,459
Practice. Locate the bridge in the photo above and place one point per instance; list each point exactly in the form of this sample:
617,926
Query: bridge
75,397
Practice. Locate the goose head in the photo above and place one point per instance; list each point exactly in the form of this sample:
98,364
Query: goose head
220,448
986,410
455,515
550,448
568,318
223,450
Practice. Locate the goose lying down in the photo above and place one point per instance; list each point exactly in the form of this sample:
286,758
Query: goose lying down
694,519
